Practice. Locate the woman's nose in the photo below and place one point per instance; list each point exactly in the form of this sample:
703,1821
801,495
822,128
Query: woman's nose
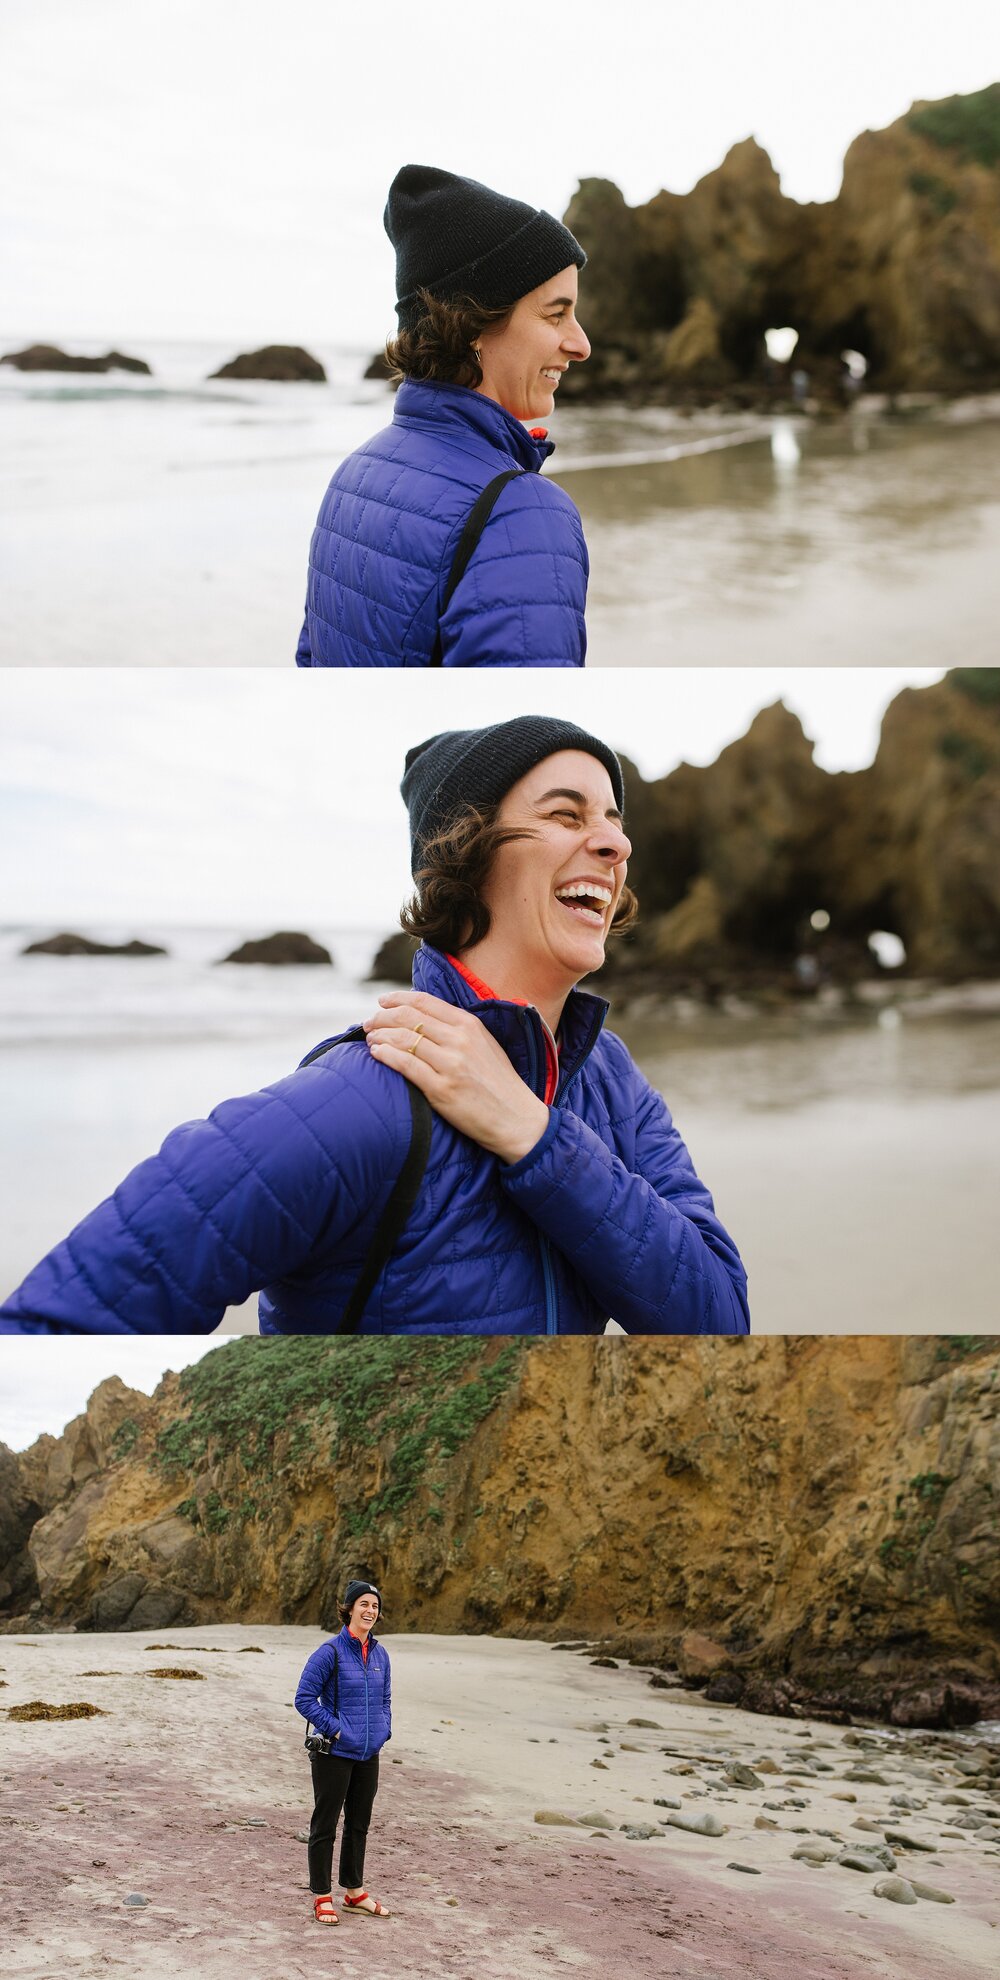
576,342
609,842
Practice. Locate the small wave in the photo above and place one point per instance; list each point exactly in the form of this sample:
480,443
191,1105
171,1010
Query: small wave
69,394
653,456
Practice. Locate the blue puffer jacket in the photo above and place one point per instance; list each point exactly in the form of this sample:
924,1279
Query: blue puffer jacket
391,518
359,1687
283,1189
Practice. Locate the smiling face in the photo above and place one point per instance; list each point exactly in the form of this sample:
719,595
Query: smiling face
552,897
364,1614
524,358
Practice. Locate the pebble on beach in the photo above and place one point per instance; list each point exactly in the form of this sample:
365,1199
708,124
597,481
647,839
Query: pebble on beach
896,1889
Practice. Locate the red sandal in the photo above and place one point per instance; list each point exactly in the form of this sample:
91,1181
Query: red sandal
324,1912
369,1907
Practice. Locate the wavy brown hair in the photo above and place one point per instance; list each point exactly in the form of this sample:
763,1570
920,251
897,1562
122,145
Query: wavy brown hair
447,910
441,345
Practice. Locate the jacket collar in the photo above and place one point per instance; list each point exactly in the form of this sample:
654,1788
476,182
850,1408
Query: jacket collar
582,1019
458,413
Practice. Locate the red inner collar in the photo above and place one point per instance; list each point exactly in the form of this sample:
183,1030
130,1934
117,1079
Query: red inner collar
486,995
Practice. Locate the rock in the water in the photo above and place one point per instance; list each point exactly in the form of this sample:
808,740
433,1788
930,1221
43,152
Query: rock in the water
286,947
83,945
896,1889
699,1825
48,357
282,364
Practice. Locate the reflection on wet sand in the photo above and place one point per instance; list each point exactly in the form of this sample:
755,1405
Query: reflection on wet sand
859,541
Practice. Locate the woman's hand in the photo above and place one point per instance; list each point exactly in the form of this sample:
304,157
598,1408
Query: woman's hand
466,1076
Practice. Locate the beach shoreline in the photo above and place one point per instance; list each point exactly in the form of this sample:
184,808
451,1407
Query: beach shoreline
195,1795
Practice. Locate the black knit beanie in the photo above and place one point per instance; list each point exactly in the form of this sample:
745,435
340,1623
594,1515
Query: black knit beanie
457,238
477,767
356,1588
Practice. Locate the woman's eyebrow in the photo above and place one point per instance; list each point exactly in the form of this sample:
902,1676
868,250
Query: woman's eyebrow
577,797
558,302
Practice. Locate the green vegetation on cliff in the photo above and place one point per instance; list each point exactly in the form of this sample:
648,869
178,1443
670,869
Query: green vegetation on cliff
969,125
980,684
290,1399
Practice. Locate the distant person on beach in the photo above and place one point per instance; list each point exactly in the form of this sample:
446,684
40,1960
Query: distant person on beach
345,1693
438,542
481,1156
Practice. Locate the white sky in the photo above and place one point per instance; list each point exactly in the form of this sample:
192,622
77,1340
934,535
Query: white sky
174,168
271,798
44,1383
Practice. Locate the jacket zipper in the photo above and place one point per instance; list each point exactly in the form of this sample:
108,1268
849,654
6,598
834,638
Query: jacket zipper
551,1311
364,1666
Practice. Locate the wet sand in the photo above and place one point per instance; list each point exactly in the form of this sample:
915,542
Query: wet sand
195,1796
847,543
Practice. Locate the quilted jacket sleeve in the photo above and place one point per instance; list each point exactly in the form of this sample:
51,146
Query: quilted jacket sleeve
646,1240
387,1697
230,1204
521,601
317,1673
303,651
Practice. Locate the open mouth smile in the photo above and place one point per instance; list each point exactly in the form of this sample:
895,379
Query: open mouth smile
588,900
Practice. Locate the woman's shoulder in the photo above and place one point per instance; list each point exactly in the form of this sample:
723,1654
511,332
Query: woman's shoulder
340,1112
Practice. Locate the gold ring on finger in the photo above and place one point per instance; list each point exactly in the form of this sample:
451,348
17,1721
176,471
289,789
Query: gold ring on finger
413,1048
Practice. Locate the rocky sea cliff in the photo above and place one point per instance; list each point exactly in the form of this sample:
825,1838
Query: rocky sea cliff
791,1524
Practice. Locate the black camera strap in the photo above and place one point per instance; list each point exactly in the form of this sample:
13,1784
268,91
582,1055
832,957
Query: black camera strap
393,1220
475,523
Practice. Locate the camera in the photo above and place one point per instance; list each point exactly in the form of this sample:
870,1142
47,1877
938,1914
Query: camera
317,1743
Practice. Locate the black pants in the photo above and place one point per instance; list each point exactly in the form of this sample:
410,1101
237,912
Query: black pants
338,1784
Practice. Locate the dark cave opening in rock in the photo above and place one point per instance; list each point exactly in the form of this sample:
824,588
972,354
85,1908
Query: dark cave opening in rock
852,334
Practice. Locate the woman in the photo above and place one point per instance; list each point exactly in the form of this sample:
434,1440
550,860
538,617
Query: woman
556,1191
344,1692
487,292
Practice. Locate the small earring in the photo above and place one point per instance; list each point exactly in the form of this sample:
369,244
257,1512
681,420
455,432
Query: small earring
477,354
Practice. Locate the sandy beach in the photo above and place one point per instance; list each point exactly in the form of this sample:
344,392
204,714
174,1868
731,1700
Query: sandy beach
193,1794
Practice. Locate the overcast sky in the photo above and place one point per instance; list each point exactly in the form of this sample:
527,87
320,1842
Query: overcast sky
271,799
176,168
44,1383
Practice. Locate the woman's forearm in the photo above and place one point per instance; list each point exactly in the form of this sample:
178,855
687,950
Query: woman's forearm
652,1251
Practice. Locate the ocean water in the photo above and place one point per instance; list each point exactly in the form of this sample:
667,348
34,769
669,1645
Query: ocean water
165,521
856,1161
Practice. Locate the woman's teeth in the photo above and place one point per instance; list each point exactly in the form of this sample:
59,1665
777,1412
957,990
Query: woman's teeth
586,901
